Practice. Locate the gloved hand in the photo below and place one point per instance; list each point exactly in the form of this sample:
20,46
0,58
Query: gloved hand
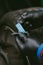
29,19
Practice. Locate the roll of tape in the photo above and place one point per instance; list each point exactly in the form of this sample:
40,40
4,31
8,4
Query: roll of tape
39,51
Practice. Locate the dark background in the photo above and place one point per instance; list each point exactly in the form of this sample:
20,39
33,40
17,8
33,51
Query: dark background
8,5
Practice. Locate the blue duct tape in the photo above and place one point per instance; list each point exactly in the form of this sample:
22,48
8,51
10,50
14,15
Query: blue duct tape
39,51
20,28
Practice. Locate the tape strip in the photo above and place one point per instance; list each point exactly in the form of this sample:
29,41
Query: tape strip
20,28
